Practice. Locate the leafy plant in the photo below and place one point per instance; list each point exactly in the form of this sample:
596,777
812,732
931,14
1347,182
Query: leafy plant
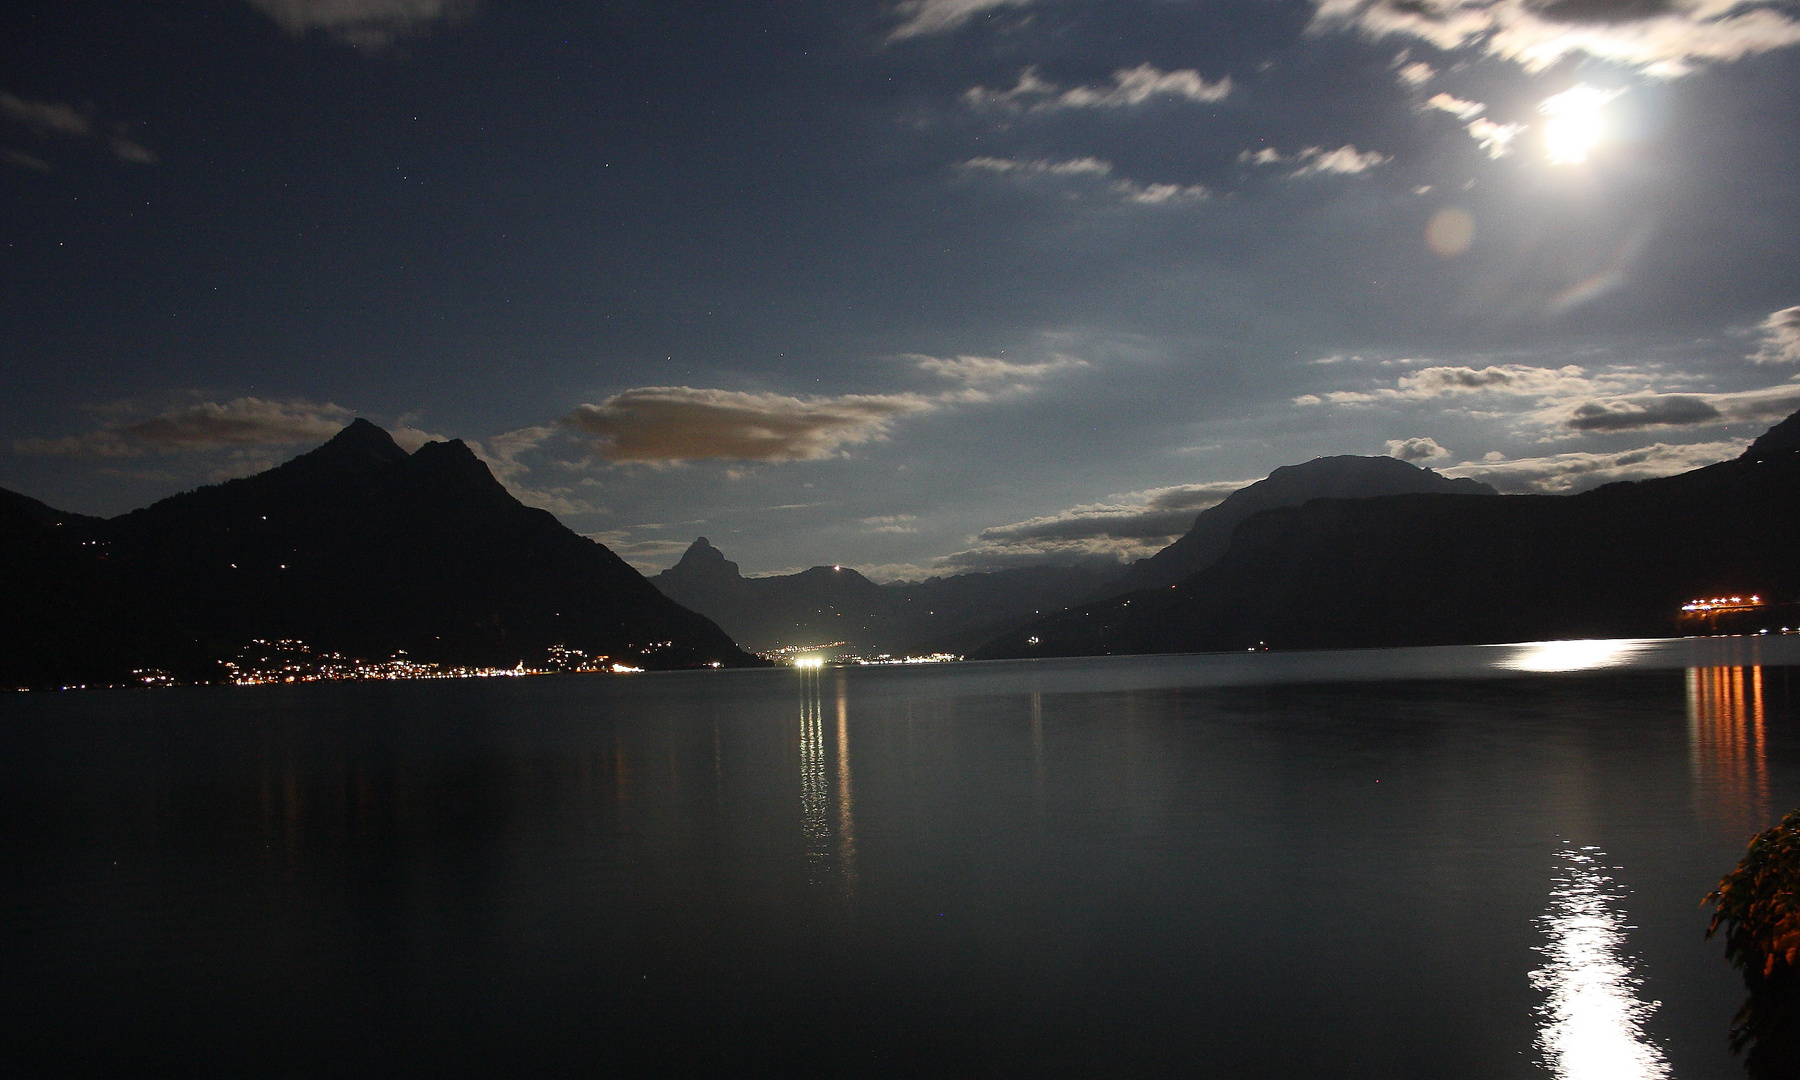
1757,906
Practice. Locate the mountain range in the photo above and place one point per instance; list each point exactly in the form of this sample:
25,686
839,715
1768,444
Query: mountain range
1342,477
835,603
960,613
356,547
364,550
1428,569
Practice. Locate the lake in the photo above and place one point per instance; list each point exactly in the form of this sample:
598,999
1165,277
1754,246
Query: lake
1466,862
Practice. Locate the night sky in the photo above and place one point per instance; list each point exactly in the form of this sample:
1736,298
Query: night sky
915,287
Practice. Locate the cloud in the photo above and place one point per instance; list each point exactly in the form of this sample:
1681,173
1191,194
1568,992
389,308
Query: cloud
645,556
988,370
938,16
1159,194
126,150
241,422
1345,160
22,160
681,423
1455,106
366,23
1087,166
1572,400
1663,38
44,115
1560,474
1416,449
1448,380
410,438
891,523
1129,526
1130,86
1661,410
1417,73
1130,191
1495,139
55,117
1780,338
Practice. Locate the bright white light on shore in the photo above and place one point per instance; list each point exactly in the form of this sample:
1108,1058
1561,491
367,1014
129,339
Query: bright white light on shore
1570,655
809,661
1576,124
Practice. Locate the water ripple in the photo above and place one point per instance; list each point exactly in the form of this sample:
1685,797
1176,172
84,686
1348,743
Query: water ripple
1591,1023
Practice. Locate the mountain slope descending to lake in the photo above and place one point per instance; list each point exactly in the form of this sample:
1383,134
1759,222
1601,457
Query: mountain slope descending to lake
356,547
1343,477
833,603
1617,561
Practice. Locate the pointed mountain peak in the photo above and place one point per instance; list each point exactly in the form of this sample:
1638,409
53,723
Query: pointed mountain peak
702,560
360,440
454,464
701,553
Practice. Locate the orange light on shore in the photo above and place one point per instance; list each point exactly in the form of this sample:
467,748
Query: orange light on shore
1722,603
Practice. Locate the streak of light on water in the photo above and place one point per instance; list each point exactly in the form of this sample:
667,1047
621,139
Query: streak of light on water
1592,1018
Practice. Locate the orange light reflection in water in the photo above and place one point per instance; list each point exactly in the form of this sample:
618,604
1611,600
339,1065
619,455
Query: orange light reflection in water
1727,745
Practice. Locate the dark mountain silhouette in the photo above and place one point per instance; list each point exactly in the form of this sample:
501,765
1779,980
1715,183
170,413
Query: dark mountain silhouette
1343,477
829,603
1441,569
812,607
356,547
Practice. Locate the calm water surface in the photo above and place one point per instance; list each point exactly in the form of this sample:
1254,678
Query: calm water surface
1480,862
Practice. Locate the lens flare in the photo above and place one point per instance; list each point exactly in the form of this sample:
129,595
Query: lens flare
1576,123
1450,232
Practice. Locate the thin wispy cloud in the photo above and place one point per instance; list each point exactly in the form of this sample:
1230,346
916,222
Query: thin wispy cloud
1571,400
1126,190
367,23
1123,527
989,370
19,159
921,17
46,116
891,523
1346,160
1085,166
1159,194
1560,474
1130,86
1663,38
56,118
207,425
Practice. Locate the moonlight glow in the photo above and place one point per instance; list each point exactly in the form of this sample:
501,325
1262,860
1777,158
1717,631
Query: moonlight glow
1576,123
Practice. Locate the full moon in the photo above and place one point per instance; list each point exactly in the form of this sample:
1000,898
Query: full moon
1576,124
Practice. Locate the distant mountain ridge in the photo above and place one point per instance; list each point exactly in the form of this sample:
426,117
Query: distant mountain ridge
356,547
1342,477
1430,569
836,603
962,612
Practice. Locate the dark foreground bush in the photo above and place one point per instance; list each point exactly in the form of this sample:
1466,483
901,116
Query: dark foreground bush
1758,907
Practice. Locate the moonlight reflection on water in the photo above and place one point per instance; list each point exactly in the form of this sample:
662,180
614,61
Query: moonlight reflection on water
1572,655
1592,1020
